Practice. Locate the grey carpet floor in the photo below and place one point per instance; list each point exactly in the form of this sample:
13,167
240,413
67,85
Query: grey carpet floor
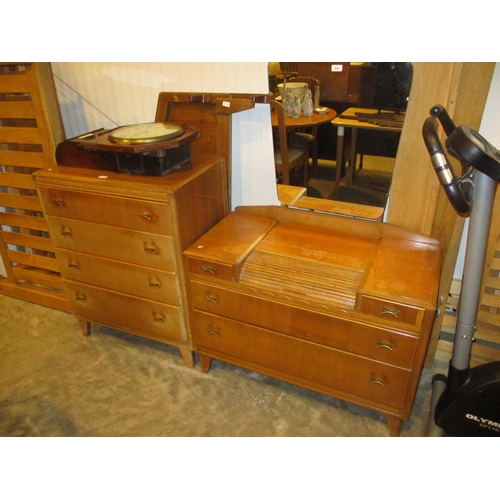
56,382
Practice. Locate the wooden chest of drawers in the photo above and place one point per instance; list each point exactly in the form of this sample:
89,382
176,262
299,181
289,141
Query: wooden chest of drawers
119,240
342,307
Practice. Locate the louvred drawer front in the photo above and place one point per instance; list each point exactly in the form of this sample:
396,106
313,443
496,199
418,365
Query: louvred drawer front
123,312
145,249
297,361
145,282
129,213
391,346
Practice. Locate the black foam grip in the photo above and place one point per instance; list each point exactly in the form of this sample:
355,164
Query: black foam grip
442,115
452,188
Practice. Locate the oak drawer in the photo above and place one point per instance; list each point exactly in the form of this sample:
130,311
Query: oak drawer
144,282
145,249
123,312
213,269
298,361
129,213
383,344
390,310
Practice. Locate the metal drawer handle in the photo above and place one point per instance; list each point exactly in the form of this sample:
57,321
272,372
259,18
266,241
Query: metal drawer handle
386,345
73,265
377,381
154,283
208,269
148,248
145,215
66,232
211,298
386,310
58,202
213,332
159,318
81,297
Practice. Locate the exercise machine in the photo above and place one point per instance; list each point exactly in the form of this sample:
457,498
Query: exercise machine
466,402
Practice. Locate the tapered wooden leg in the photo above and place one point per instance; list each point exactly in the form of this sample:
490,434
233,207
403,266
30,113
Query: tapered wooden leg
394,424
205,362
188,356
85,326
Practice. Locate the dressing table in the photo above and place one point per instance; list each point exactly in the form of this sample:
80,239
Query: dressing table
340,306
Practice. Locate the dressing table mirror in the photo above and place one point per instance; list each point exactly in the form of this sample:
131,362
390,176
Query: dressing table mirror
370,101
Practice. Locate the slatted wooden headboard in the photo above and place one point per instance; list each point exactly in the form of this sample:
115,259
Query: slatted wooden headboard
30,128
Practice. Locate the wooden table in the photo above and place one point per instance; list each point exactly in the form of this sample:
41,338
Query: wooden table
345,121
307,121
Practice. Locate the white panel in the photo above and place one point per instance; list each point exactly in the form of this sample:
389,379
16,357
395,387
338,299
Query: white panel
253,176
215,77
106,95
490,123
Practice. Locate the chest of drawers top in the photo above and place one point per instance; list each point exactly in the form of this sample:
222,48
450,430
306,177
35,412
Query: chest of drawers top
119,184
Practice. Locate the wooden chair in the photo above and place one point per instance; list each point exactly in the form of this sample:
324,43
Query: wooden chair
312,132
290,151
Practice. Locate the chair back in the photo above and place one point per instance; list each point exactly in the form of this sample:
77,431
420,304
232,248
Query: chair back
286,156
277,108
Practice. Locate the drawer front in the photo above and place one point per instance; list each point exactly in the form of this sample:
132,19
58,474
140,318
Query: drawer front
390,346
145,282
305,363
402,313
145,249
211,269
122,312
109,210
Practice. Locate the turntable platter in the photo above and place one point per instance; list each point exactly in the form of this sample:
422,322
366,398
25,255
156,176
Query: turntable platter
145,133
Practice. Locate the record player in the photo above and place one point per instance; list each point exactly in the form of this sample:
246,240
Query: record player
153,149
